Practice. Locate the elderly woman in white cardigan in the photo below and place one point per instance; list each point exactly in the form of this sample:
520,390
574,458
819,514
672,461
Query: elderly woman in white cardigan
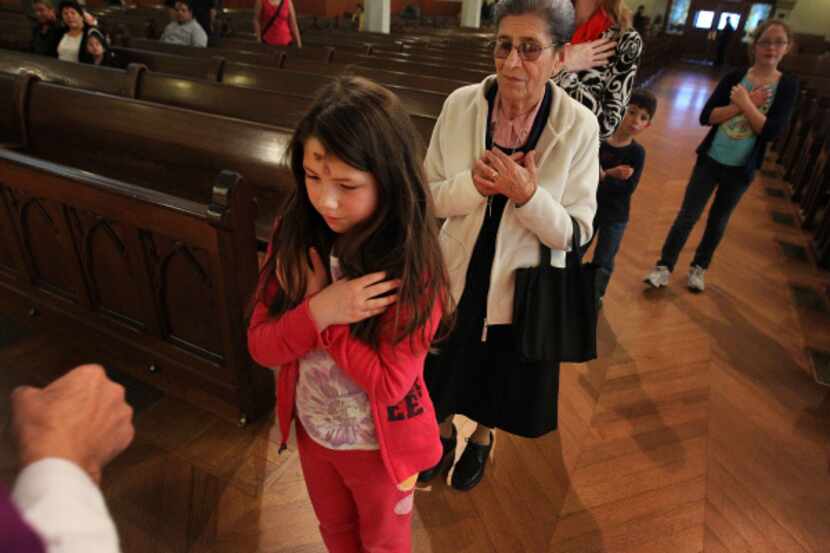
513,161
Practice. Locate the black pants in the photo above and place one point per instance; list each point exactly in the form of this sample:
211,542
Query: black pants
728,184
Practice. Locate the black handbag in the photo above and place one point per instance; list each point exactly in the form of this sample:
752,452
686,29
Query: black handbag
555,309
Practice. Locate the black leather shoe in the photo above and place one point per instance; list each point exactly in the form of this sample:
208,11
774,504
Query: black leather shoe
470,467
447,458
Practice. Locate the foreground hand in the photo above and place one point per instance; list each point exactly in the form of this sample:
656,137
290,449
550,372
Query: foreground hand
517,182
759,96
622,172
740,96
352,301
484,174
81,417
587,55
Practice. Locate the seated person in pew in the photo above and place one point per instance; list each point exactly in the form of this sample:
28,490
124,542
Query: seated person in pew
72,44
46,34
352,292
98,47
170,6
65,434
185,31
204,12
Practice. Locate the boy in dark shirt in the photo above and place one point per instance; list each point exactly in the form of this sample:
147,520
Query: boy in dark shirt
621,161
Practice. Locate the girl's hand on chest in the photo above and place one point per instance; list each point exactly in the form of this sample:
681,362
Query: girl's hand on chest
350,301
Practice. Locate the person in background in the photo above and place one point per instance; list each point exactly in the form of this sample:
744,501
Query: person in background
513,162
621,161
72,44
411,12
66,433
747,110
640,20
275,23
98,48
185,31
46,33
204,12
359,18
723,41
601,61
170,6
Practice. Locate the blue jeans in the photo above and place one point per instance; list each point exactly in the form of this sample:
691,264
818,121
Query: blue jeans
707,176
609,237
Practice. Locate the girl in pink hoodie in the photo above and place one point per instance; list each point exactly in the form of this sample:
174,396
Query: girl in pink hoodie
350,297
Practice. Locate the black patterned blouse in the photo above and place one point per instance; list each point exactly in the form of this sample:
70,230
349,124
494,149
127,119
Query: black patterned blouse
606,90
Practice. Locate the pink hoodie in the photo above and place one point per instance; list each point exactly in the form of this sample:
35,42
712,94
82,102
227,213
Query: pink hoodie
392,377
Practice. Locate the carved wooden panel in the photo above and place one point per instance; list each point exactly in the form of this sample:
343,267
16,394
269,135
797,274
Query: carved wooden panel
110,266
10,261
186,293
45,242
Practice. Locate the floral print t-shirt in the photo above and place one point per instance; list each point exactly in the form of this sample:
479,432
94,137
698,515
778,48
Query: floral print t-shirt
332,408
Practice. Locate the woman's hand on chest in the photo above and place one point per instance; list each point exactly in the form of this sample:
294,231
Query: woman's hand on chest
484,174
517,180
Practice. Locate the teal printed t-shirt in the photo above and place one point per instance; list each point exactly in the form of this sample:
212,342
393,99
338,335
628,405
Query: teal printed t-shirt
735,138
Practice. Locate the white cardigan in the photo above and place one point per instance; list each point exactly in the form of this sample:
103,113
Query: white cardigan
567,157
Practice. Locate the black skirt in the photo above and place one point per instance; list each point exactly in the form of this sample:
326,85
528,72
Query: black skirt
488,381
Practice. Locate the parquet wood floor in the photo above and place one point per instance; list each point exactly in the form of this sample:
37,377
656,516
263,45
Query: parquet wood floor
699,428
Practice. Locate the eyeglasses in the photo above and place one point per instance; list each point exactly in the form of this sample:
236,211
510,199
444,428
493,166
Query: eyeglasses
528,51
772,43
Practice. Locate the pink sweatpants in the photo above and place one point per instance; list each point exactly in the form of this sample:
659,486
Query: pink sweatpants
360,508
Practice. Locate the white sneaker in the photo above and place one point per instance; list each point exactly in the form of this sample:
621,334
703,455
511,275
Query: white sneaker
658,277
696,283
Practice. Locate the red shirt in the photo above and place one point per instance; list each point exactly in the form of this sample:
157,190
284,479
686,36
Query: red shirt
279,33
392,377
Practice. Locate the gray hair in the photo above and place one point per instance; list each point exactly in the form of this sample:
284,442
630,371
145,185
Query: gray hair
558,14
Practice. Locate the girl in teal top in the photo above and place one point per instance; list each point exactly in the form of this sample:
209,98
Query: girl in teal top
746,110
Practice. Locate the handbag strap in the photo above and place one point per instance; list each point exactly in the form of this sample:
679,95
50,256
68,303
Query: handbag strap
271,21
572,258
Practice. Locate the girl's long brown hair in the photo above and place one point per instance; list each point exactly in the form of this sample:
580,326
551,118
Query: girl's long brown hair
365,126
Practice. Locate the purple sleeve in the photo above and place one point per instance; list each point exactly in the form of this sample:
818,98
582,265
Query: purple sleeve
15,535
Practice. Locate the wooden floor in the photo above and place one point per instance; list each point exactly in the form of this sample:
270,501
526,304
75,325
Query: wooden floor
700,428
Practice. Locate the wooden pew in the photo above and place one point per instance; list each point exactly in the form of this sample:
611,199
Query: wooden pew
9,132
272,58
217,69
282,112
407,79
274,97
814,191
324,50
199,68
159,282
817,129
169,149
77,75
798,133
262,106
821,182
416,102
